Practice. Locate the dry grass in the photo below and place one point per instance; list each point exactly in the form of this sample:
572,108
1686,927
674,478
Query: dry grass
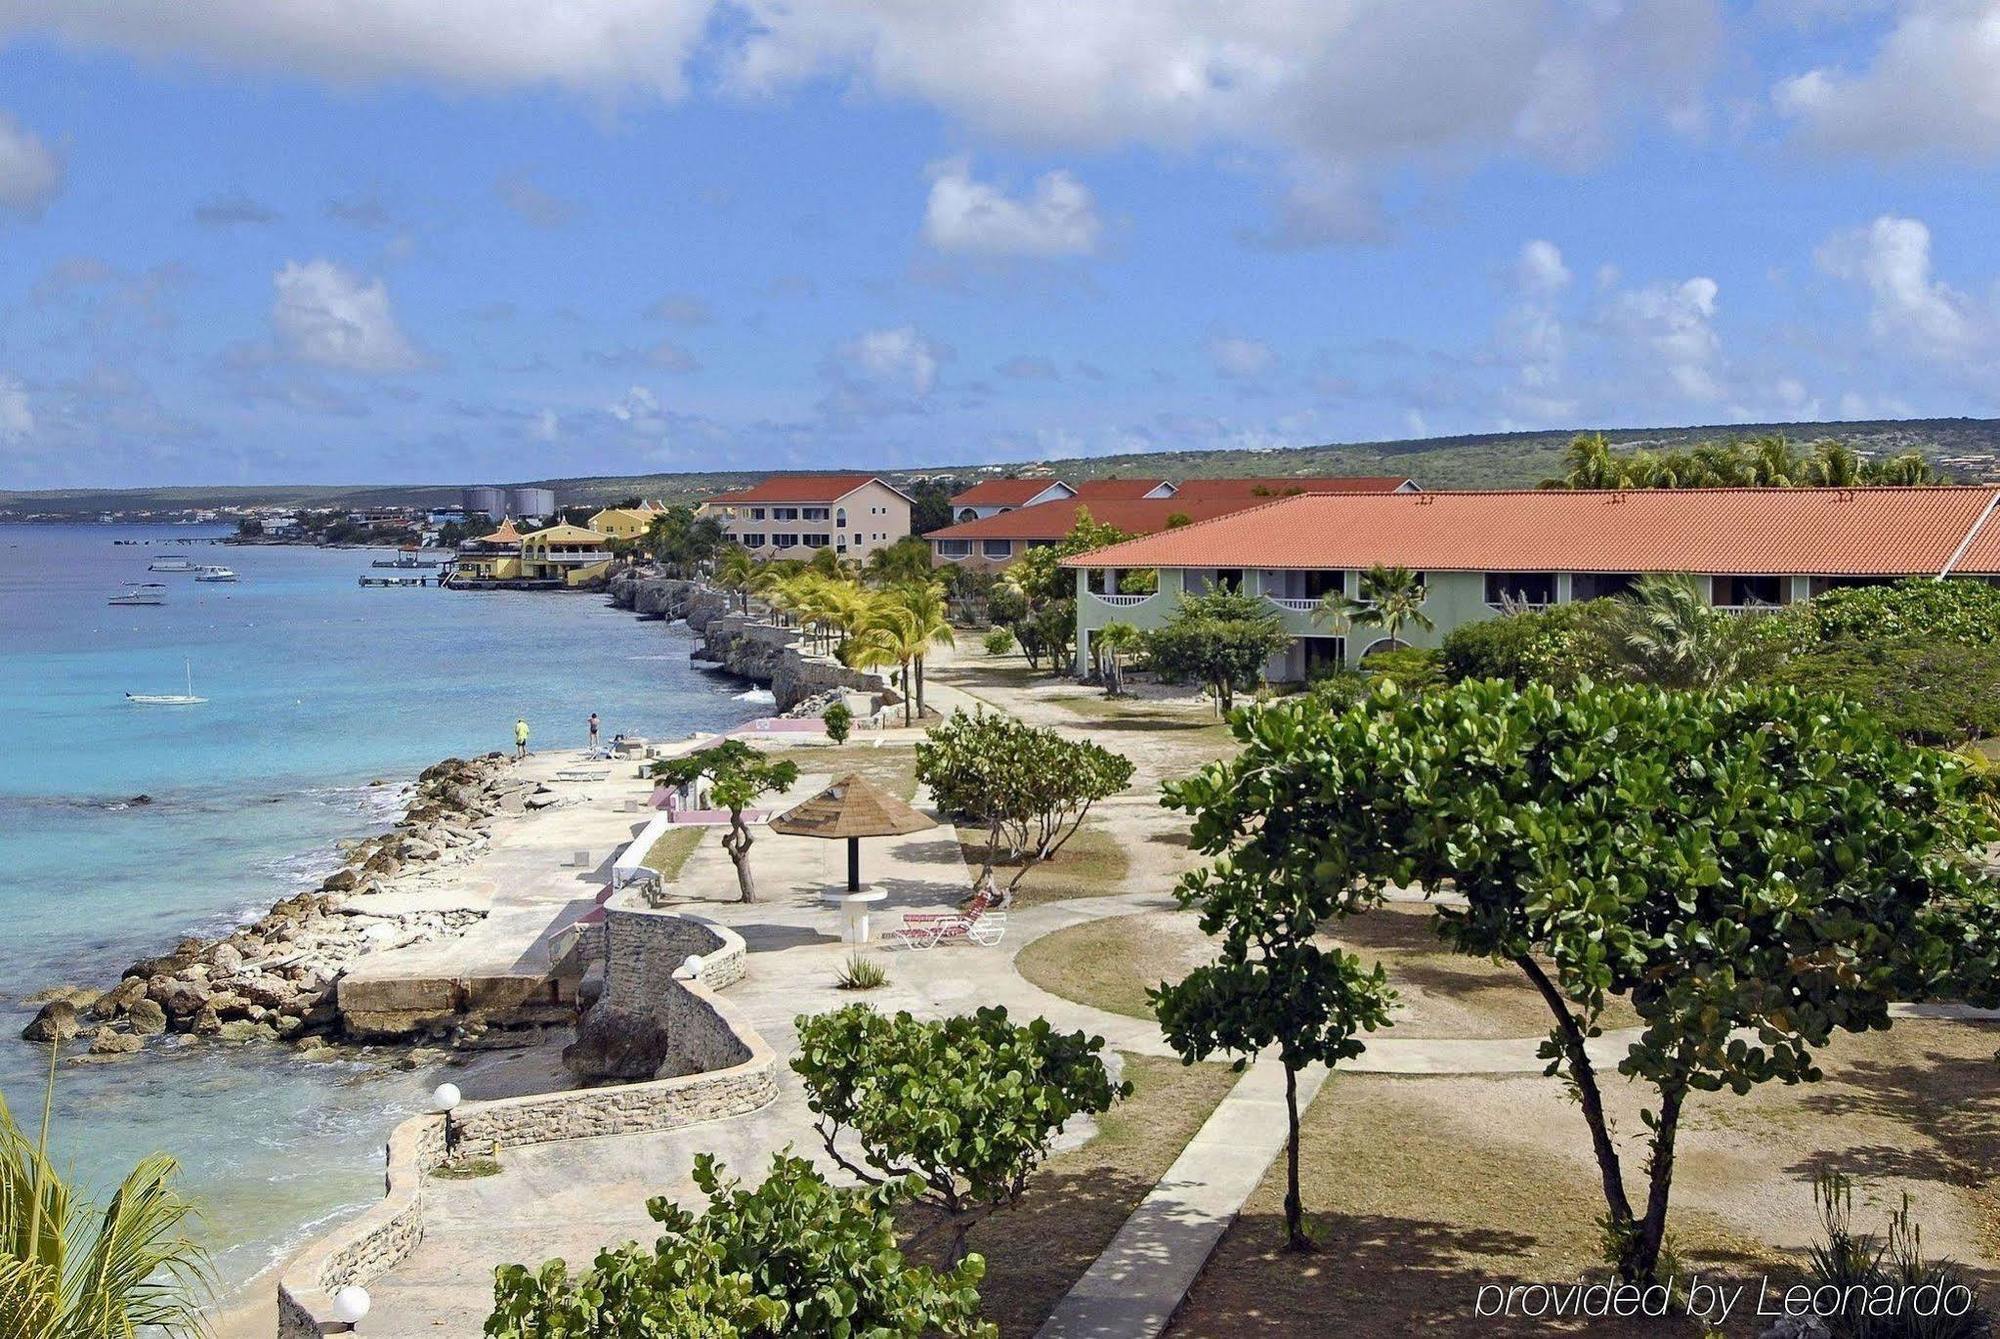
671,850
894,768
1093,863
1111,963
1080,1199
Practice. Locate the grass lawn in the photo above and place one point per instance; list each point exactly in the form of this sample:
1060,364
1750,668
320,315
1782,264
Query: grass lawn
892,768
1080,1198
1093,863
1195,729
671,851
1111,963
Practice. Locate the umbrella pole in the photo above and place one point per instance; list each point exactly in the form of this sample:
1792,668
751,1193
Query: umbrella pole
853,864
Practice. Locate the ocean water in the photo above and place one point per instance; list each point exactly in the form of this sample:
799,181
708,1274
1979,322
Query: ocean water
316,689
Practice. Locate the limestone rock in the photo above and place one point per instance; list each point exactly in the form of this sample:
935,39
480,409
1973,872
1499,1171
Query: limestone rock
108,1042
614,1044
56,1022
226,959
341,880
147,1018
120,998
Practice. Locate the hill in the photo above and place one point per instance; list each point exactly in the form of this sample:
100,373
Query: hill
1966,447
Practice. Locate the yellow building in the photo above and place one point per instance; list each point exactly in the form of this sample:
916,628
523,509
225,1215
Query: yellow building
493,557
566,553
625,522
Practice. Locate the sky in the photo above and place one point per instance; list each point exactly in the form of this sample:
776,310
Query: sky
458,241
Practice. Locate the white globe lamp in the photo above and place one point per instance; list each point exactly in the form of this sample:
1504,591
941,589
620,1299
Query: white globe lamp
445,1097
690,966
350,1304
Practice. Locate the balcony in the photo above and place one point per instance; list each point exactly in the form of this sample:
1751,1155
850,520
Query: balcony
1293,604
578,557
1749,610
1123,601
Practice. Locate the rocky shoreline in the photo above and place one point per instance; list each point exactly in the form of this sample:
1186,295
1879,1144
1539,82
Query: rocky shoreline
275,979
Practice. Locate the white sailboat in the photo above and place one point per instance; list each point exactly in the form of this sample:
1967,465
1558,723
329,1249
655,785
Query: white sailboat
170,565
215,572
187,699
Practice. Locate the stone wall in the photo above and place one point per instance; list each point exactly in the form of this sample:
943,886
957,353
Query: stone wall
717,1067
766,653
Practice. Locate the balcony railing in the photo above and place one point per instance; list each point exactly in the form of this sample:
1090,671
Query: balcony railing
1125,601
1750,609
579,556
1294,604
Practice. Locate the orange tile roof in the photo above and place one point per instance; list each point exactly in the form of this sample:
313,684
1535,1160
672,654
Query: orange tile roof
798,488
1054,520
1130,490
1003,492
1747,531
1286,487
506,534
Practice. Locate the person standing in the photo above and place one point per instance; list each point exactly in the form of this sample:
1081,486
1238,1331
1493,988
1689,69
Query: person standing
520,736
593,732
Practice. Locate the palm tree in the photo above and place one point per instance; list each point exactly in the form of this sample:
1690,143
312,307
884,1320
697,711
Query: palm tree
1587,463
1664,632
1906,470
905,561
931,614
889,636
736,572
1116,640
1390,598
1772,463
70,1272
1834,465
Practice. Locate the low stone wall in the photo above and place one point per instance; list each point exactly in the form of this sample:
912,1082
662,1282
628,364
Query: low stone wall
769,654
718,1067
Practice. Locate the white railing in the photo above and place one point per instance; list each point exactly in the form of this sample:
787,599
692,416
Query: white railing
1125,601
1297,606
562,556
1750,609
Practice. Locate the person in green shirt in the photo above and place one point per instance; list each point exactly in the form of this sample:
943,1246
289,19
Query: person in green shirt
521,737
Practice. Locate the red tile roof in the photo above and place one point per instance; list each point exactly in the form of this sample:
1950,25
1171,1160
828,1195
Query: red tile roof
1054,520
1287,487
1003,492
1748,531
798,488
1130,490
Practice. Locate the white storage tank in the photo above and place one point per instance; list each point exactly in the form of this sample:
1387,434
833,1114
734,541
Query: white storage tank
490,501
537,502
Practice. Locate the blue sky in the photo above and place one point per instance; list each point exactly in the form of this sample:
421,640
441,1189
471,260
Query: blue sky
459,240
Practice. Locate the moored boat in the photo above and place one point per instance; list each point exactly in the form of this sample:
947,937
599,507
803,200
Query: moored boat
170,565
151,592
187,699
215,572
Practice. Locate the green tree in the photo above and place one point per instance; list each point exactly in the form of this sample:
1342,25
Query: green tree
1219,638
737,776
1027,786
69,1270
1751,871
1389,598
1117,642
839,721
682,542
905,562
899,628
736,573
1904,471
1664,633
968,1105
1941,692
795,1256
1922,608
1833,465
998,641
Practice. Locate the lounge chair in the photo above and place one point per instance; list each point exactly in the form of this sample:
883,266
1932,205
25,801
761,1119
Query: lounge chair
584,774
981,923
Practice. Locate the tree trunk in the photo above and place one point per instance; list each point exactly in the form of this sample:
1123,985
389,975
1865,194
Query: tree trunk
737,843
907,718
1660,1176
1295,1213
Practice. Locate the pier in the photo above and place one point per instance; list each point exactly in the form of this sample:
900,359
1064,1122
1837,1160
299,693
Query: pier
367,580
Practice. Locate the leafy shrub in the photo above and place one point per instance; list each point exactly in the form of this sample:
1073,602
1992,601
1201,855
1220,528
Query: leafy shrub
1858,1268
797,1255
1222,639
859,973
968,1106
1928,692
1414,668
1556,646
998,641
1962,611
839,722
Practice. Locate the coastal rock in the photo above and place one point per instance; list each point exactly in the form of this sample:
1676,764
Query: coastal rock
226,958
615,1044
341,880
207,1023
243,1029
146,1017
416,848
267,991
56,1022
108,1042
120,998
81,996
181,999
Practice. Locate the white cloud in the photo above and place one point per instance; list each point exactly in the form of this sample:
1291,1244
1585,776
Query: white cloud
547,427
903,358
17,418
1239,358
1672,327
1057,218
590,45
1532,334
1540,270
1909,309
1933,85
329,317
31,172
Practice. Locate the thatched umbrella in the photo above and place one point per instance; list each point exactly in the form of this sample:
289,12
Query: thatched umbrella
852,807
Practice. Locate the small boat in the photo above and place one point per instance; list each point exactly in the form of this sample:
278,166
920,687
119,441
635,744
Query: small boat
170,565
151,592
215,572
407,558
187,699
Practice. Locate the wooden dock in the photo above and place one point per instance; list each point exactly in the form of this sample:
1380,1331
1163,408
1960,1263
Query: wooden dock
367,580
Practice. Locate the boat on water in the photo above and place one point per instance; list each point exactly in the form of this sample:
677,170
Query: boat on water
408,558
151,592
215,572
170,565
187,699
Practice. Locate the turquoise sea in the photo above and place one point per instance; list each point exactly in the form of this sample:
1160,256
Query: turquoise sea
316,687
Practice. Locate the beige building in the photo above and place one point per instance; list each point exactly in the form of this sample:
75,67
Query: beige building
625,522
796,515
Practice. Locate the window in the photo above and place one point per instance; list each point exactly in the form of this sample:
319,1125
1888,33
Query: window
996,548
1739,591
1227,578
753,540
815,514
1600,585
756,513
818,541
968,514
784,513
840,522
954,548
1520,588
784,541
1322,654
